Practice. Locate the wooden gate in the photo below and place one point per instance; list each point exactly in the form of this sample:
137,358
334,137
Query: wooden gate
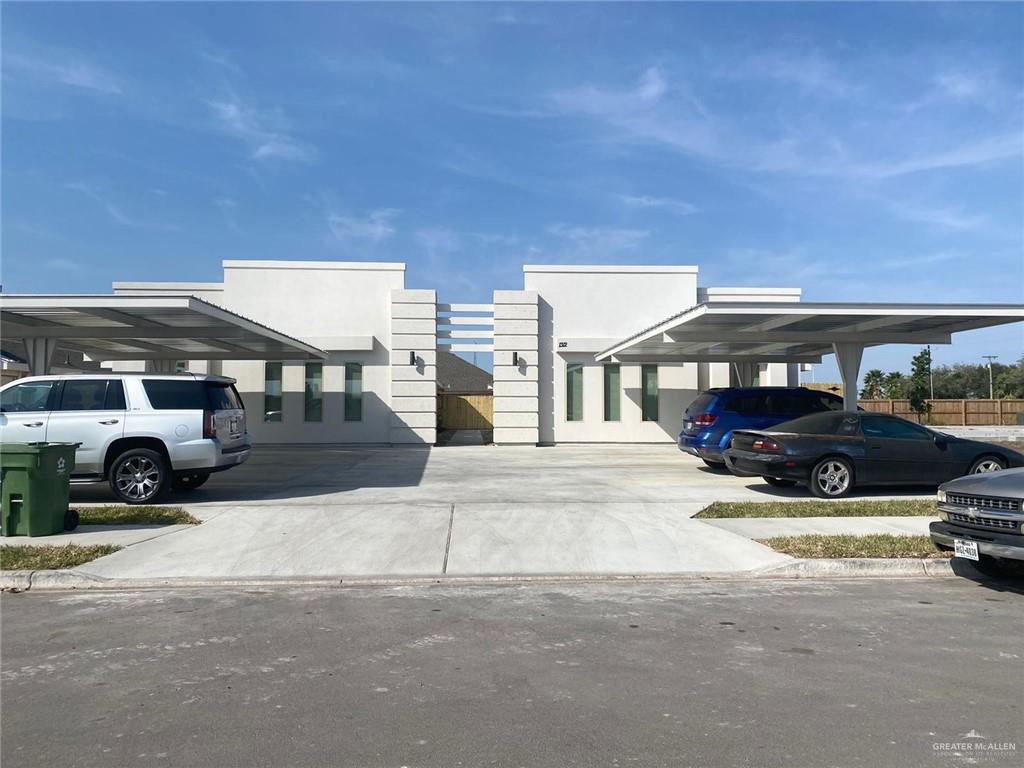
466,411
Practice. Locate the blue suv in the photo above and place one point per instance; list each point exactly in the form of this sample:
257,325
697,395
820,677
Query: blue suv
710,420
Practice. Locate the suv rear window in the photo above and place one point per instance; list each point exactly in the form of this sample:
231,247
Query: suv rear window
703,401
223,397
186,395
748,405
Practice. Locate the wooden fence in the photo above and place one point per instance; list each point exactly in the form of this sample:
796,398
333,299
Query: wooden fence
952,413
466,411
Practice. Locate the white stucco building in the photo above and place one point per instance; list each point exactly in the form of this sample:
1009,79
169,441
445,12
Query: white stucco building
378,381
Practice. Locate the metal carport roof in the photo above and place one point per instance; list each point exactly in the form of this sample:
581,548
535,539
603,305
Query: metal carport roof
802,332
108,328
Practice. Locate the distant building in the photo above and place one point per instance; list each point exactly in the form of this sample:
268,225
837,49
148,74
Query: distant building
389,351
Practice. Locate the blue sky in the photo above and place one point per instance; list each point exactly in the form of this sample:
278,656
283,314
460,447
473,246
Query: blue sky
861,152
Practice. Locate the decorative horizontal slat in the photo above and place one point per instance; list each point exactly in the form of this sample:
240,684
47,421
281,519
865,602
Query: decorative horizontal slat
484,335
465,308
467,347
465,320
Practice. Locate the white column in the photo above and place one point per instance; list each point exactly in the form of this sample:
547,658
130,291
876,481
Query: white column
39,353
413,367
516,395
848,357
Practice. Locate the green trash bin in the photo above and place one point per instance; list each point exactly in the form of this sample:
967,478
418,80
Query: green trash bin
34,488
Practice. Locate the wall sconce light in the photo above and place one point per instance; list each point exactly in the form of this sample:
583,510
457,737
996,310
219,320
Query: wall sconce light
515,359
412,358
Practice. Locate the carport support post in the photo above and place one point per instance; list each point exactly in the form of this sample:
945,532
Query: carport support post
39,351
848,356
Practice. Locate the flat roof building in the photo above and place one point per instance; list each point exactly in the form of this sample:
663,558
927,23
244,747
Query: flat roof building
344,352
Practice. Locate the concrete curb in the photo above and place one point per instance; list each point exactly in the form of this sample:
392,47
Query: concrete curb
21,581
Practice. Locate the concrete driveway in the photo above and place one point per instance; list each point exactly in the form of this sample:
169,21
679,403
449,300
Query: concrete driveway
326,511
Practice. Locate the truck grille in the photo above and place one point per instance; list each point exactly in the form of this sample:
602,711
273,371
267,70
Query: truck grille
985,522
983,502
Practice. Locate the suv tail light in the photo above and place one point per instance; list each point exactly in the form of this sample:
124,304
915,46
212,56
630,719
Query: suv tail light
705,419
764,444
209,425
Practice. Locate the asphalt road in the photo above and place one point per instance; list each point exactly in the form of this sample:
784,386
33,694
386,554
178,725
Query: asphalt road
718,673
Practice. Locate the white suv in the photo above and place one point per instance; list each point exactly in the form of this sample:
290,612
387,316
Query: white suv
144,433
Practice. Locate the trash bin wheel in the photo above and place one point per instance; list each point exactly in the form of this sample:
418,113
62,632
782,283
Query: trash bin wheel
71,520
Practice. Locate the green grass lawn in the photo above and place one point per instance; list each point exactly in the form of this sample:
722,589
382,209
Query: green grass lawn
24,557
128,515
874,545
858,508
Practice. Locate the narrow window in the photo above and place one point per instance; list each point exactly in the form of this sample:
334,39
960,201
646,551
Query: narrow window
649,387
314,392
272,392
612,392
574,392
353,391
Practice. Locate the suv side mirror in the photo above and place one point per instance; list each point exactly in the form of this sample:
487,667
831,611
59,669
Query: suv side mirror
940,441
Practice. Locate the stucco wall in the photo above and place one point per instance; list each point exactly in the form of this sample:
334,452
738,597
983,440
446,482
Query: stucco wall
335,306
587,308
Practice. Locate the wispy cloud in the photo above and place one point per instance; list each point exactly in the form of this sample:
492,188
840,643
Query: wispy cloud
63,69
116,212
64,265
809,70
946,217
262,132
672,205
438,240
227,207
222,60
376,226
642,113
658,112
598,241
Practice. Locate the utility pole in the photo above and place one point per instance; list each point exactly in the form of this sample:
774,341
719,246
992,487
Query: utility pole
991,390
931,379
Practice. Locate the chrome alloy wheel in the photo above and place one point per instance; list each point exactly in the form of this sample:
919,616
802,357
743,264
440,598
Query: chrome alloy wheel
138,478
833,478
987,465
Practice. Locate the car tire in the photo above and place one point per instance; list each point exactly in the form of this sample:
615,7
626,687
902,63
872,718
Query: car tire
189,482
987,464
832,478
718,466
778,482
139,476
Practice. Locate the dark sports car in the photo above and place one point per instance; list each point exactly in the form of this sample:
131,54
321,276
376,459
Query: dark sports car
832,452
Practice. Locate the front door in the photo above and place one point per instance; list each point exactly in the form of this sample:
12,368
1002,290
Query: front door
899,452
90,412
24,410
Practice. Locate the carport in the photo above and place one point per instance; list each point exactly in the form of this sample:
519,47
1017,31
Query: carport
747,333
157,329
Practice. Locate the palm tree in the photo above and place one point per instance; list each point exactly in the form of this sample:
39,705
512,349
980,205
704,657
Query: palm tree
895,386
874,382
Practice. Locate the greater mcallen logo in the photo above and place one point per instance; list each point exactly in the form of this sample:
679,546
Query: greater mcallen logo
974,744
60,465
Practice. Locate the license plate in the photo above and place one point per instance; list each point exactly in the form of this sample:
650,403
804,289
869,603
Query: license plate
234,427
965,549
687,425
